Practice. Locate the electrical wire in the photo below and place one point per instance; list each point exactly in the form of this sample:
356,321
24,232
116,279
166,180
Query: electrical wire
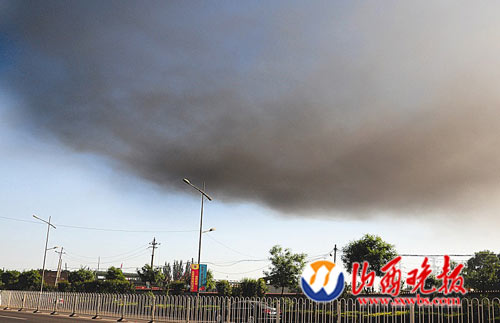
245,272
232,263
143,247
100,229
229,248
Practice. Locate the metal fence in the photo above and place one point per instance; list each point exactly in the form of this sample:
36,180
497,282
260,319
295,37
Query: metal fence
252,310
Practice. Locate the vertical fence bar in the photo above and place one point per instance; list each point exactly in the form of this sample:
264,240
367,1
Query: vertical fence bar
8,301
98,306
153,308
24,302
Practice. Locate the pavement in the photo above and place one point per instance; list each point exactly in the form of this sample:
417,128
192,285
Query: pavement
13,316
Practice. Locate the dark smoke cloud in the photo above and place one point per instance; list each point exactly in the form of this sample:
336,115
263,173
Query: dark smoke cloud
355,107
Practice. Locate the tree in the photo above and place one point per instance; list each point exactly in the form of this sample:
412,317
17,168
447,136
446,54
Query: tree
482,272
223,288
210,281
81,275
152,276
115,274
286,268
253,287
29,280
369,248
10,279
177,270
167,272
178,287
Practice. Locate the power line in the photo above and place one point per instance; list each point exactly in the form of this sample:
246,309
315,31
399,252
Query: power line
229,248
143,247
232,263
244,272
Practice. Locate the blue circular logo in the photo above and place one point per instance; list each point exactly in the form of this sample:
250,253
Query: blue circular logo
322,281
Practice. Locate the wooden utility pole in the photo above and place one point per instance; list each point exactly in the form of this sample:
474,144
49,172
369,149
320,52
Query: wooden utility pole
154,245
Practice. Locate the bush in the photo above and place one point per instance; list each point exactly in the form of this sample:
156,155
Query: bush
253,287
236,292
223,288
177,287
63,286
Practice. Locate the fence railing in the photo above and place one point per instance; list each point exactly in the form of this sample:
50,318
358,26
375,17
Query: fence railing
252,310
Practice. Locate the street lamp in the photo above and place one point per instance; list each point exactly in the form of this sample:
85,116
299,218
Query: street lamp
44,257
203,195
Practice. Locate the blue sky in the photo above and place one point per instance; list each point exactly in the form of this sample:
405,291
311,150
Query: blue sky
311,125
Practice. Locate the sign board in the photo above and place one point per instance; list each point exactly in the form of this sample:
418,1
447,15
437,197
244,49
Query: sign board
195,277
202,284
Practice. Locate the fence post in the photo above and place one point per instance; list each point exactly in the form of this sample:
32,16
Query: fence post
8,301
97,308
339,312
122,312
153,308
412,313
278,311
24,302
54,312
74,306
188,309
228,310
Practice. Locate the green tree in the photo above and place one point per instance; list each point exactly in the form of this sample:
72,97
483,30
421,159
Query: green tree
482,272
210,281
223,288
178,287
29,280
369,248
285,268
81,275
253,287
153,276
63,286
114,273
115,286
177,270
167,273
10,279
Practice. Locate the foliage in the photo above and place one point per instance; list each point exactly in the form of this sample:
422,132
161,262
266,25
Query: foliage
29,280
286,268
223,288
210,281
115,274
178,287
167,272
177,271
115,286
253,287
81,275
370,248
482,272
236,292
63,286
10,279
152,276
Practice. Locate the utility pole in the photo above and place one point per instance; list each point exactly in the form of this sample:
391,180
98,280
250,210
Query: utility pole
59,265
44,258
334,250
154,245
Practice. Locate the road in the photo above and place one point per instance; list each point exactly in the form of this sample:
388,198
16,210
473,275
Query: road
13,316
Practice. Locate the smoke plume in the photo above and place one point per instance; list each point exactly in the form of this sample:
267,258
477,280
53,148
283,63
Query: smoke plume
344,108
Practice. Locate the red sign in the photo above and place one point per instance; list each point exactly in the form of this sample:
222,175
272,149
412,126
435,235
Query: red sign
195,277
